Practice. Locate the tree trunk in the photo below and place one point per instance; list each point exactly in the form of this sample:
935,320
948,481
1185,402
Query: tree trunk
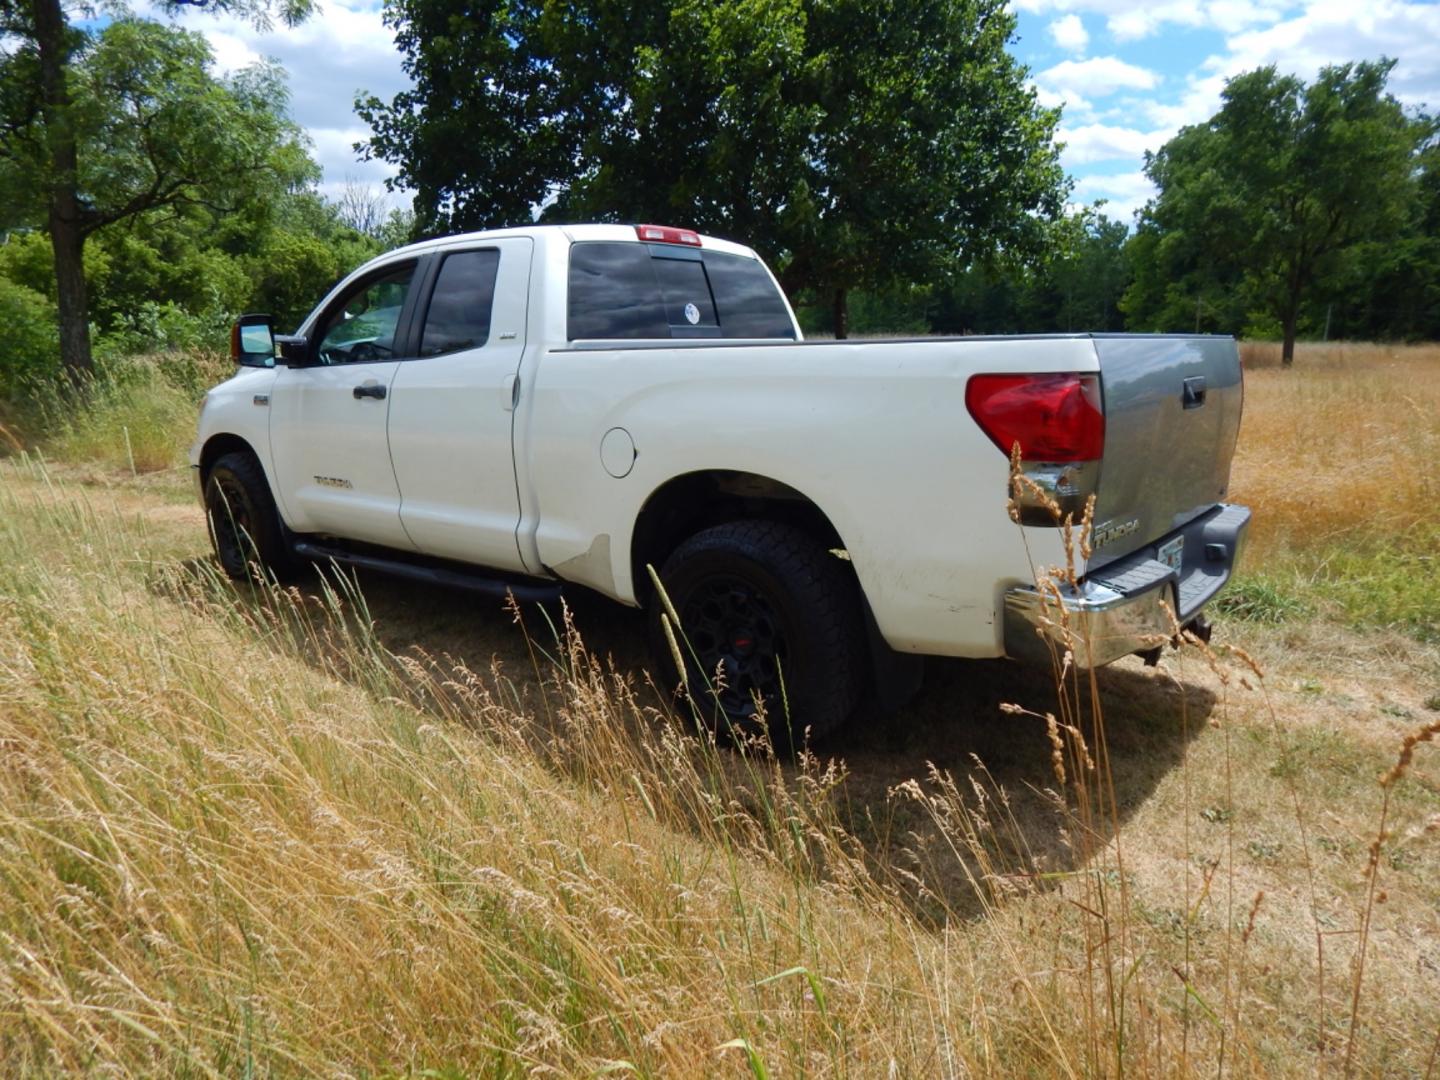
66,218
1287,347
1289,318
68,243
841,312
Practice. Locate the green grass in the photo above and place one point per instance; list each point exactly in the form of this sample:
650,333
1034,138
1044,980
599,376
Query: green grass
127,426
1366,582
1390,582
1260,598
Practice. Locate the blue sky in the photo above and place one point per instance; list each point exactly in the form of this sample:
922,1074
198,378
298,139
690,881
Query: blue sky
1129,75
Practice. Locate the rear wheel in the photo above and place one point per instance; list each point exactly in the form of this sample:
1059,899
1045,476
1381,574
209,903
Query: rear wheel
771,627
244,525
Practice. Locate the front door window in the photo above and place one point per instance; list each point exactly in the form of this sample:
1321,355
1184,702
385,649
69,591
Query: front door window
362,327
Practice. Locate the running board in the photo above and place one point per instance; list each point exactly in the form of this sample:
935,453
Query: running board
434,575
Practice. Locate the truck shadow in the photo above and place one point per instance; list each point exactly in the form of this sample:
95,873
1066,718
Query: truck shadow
955,726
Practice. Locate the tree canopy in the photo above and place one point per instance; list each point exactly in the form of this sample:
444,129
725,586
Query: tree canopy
1272,200
195,200
88,130
854,144
156,130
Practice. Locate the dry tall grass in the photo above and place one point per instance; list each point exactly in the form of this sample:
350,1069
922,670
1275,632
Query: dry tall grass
242,832
135,415
1334,455
1342,446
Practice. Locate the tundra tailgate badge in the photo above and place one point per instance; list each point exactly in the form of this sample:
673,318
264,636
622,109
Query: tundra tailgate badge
1113,530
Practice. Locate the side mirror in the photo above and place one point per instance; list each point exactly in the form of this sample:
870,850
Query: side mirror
252,341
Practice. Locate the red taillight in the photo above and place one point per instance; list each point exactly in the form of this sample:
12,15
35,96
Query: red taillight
665,234
1054,418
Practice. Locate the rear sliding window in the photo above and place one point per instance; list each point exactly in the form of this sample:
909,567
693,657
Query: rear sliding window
633,290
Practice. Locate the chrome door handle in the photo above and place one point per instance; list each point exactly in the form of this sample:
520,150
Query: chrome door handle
372,390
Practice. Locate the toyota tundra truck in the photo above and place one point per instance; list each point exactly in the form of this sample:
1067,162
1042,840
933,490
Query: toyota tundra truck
522,409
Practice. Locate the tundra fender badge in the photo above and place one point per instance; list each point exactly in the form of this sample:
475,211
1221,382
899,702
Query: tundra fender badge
1112,530
261,399
333,481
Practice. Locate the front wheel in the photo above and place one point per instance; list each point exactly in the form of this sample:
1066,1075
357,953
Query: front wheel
244,524
770,626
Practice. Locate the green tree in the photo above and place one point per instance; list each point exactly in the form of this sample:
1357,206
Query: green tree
1077,289
1393,286
99,130
29,321
1087,281
181,275
855,144
1264,203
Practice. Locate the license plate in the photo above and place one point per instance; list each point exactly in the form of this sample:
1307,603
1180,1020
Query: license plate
1170,553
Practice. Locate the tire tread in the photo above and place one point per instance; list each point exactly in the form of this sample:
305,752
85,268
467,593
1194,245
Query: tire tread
825,593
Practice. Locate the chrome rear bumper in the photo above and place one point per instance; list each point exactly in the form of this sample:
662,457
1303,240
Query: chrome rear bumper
1121,608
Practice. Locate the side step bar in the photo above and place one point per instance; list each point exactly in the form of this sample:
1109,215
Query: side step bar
526,593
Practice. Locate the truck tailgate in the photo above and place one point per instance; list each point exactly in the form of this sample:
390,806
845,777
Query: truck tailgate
1172,413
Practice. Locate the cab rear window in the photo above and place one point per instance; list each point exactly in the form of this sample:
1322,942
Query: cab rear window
627,291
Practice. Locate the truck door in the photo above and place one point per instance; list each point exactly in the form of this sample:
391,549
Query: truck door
328,417
452,405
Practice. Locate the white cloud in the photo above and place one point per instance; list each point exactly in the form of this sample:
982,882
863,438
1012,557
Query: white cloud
1129,20
1097,76
231,54
1069,33
1104,142
1075,106
1143,20
1115,110
1327,32
334,145
1232,16
1198,102
342,49
1334,32
1124,193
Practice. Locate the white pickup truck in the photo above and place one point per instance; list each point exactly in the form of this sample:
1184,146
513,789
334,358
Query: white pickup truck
513,410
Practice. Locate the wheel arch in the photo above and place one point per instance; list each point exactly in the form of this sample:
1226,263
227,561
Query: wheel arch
220,444
685,504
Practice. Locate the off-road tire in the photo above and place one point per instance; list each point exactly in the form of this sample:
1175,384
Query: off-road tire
746,588
245,527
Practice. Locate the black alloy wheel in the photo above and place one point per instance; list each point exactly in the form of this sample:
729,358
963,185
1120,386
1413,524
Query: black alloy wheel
245,527
735,631
776,616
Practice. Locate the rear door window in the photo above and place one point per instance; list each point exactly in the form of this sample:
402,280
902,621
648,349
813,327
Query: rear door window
689,308
746,299
620,290
458,317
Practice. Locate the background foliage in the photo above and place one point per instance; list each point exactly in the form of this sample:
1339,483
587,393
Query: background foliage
198,194
853,143
896,185
1287,201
